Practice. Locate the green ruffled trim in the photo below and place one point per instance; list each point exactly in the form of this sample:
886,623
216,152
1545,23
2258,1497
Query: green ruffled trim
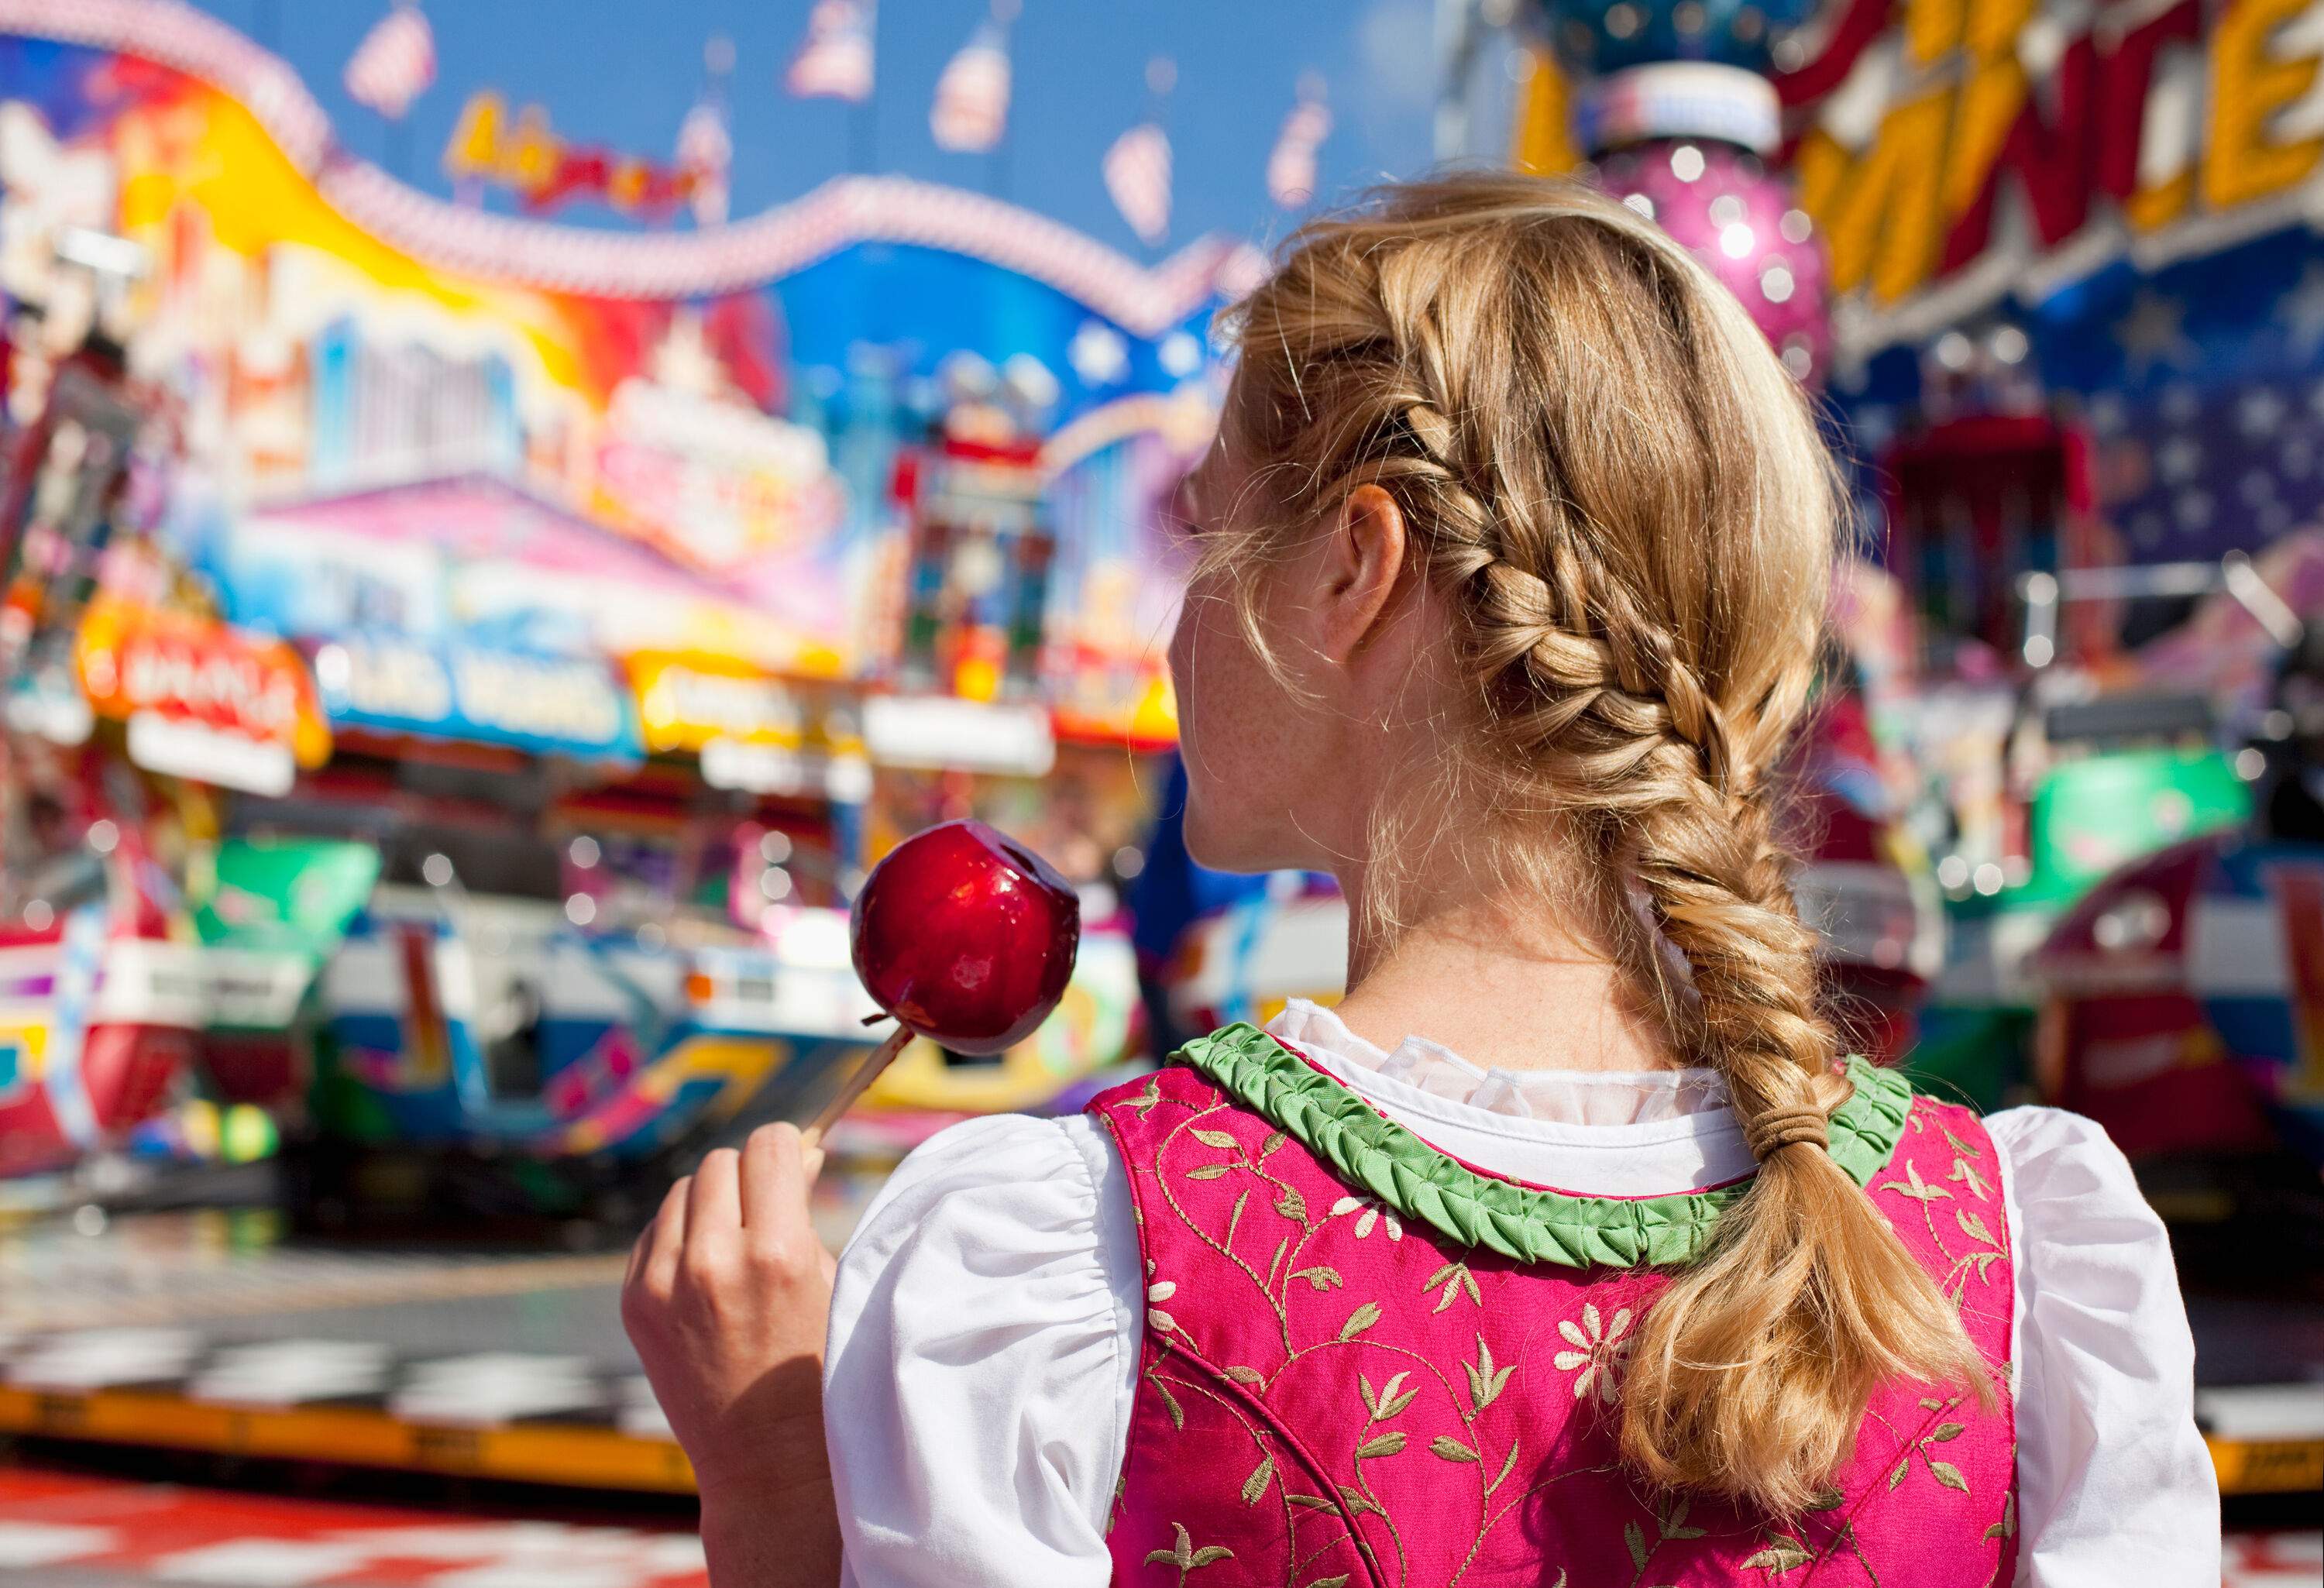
1370,1150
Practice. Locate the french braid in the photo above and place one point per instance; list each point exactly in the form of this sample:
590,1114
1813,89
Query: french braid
1624,498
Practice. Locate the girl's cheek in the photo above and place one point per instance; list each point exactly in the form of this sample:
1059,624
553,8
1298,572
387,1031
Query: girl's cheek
1181,656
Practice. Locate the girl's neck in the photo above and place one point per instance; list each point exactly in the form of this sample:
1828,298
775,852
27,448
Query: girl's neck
1508,989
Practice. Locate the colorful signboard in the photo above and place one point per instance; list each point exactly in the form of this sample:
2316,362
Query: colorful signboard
1953,153
2113,205
752,731
521,152
716,487
548,705
476,560
1952,150
201,699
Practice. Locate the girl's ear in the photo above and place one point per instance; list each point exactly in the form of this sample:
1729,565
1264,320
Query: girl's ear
1363,561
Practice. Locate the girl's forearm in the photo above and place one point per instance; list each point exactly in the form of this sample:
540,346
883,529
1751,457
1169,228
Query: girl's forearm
727,1299
779,1527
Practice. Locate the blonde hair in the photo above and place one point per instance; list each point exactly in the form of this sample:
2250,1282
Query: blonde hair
1624,504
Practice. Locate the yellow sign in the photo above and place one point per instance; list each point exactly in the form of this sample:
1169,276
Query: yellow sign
521,152
685,701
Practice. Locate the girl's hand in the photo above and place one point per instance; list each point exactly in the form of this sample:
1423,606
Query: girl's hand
726,1299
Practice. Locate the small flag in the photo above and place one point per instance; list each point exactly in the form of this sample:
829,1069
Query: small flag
970,111
705,153
834,60
394,63
1138,175
1291,168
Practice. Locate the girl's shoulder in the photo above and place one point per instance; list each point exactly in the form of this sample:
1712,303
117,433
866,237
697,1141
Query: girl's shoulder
983,1177
2061,1179
981,1352
2108,1452
2052,1153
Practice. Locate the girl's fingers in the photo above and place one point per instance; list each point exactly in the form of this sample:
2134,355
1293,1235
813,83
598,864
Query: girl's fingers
763,1157
777,1175
637,1250
763,1167
717,1203
664,1239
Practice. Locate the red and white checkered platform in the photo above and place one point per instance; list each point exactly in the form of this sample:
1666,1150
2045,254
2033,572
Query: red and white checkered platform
58,1530
2274,1560
63,1531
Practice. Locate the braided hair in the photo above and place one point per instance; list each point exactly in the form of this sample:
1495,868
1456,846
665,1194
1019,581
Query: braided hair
1624,502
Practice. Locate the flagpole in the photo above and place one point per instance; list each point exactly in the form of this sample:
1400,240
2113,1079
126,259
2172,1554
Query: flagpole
713,166
996,164
1161,78
864,140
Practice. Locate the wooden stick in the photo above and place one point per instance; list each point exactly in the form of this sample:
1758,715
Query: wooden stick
856,1086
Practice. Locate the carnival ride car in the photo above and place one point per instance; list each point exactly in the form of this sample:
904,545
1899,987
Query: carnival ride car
419,1041
2095,765
2180,995
414,1031
99,1011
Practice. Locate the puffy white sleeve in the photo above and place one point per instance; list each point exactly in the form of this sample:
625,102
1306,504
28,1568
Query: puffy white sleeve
2114,1482
981,1358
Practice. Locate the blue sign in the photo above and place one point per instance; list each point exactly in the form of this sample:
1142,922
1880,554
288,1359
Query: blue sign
548,705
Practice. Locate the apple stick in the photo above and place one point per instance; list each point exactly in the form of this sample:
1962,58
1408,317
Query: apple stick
854,1086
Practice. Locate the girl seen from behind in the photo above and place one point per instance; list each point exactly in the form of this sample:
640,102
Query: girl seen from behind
1568,1247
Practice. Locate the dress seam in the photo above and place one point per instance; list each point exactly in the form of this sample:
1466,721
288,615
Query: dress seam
1120,1321
1124,1410
2021,1266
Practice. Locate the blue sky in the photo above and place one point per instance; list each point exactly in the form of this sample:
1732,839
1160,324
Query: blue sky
621,72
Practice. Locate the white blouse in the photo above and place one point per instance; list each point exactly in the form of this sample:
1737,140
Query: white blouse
986,1325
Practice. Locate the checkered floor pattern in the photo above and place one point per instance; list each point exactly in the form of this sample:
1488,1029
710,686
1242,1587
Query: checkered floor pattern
70,1531
65,1530
215,1308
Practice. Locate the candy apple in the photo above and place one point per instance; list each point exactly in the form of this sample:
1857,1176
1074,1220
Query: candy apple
966,936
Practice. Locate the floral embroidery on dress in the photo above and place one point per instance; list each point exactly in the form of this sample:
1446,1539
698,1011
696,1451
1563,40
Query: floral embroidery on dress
1456,1278
1783,1553
1186,1556
1670,1527
1604,1349
1943,1471
1370,1212
1485,1381
1155,1294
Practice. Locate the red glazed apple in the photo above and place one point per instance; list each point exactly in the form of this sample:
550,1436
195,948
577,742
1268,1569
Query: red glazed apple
966,936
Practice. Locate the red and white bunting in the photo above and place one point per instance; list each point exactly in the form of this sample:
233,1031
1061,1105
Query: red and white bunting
971,112
834,60
394,63
1291,168
1147,301
1138,176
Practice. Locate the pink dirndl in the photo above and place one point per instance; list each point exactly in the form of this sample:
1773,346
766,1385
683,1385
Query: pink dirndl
1368,1363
